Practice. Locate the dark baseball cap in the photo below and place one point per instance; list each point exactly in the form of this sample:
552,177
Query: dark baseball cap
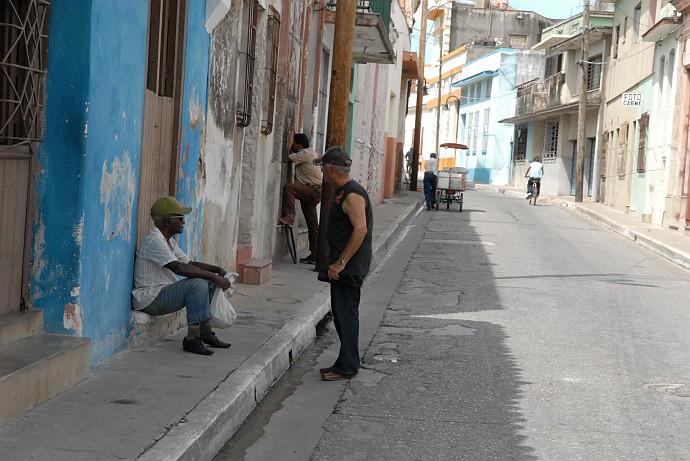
334,156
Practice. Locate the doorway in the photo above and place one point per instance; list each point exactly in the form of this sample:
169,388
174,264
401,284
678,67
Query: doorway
23,62
162,106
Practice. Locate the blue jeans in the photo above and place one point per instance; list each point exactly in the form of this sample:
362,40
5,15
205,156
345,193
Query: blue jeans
430,189
345,308
195,294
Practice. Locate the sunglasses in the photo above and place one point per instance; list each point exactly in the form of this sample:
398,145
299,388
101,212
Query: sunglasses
178,218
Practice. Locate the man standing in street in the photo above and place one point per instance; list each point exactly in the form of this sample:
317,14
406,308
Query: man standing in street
349,257
306,189
430,174
409,156
157,290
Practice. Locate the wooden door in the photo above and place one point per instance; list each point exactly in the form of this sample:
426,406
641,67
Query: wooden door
23,62
162,106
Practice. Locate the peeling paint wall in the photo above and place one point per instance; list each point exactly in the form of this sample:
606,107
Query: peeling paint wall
243,175
368,152
83,253
194,167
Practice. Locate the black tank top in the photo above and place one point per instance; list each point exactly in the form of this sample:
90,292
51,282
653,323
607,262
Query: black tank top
340,229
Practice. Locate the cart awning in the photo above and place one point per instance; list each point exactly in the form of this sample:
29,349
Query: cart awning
454,145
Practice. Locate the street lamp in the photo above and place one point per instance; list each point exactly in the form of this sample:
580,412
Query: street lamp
457,117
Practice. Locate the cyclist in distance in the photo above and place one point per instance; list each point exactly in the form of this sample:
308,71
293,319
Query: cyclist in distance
535,171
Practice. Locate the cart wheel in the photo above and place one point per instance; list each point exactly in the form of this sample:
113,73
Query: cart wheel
460,202
449,199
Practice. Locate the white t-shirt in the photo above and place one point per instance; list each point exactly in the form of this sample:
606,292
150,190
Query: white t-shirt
150,275
536,170
431,165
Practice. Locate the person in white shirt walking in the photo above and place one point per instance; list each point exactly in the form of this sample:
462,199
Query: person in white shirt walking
157,290
535,171
430,176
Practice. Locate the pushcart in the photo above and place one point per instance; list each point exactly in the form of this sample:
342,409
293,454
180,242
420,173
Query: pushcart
450,187
451,182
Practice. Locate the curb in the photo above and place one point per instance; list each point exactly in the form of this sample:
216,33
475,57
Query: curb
203,432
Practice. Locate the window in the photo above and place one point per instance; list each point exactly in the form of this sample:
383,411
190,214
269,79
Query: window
551,139
642,146
616,37
272,39
517,41
594,73
488,88
475,133
637,16
553,65
23,63
622,148
485,131
247,58
469,132
520,142
625,29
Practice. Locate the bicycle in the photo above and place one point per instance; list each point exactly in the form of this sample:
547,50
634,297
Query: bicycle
290,238
534,182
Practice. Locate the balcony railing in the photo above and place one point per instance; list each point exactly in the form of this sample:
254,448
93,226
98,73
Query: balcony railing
536,96
372,41
382,7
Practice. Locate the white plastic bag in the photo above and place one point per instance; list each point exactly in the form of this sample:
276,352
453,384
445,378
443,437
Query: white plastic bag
222,313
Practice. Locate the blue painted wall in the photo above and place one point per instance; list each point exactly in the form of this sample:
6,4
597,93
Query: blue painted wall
85,232
193,124
84,236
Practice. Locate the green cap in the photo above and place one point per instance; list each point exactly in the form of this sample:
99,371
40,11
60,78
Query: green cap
167,205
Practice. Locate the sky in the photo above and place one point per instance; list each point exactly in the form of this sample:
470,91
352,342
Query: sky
554,9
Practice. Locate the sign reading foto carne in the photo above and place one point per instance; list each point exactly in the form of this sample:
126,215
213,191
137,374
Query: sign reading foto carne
632,99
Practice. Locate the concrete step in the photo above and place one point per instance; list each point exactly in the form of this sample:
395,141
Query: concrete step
21,325
37,368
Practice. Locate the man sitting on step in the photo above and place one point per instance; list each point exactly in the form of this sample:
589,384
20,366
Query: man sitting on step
157,290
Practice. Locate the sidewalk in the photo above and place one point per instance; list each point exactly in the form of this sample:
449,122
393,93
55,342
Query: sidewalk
161,403
672,244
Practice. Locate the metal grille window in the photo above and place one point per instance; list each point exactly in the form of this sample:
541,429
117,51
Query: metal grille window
551,139
594,73
272,40
23,61
243,114
520,142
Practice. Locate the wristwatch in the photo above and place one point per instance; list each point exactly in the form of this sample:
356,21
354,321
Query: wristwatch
341,262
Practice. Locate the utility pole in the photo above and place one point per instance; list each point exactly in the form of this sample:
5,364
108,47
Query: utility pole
343,44
582,109
440,96
420,102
